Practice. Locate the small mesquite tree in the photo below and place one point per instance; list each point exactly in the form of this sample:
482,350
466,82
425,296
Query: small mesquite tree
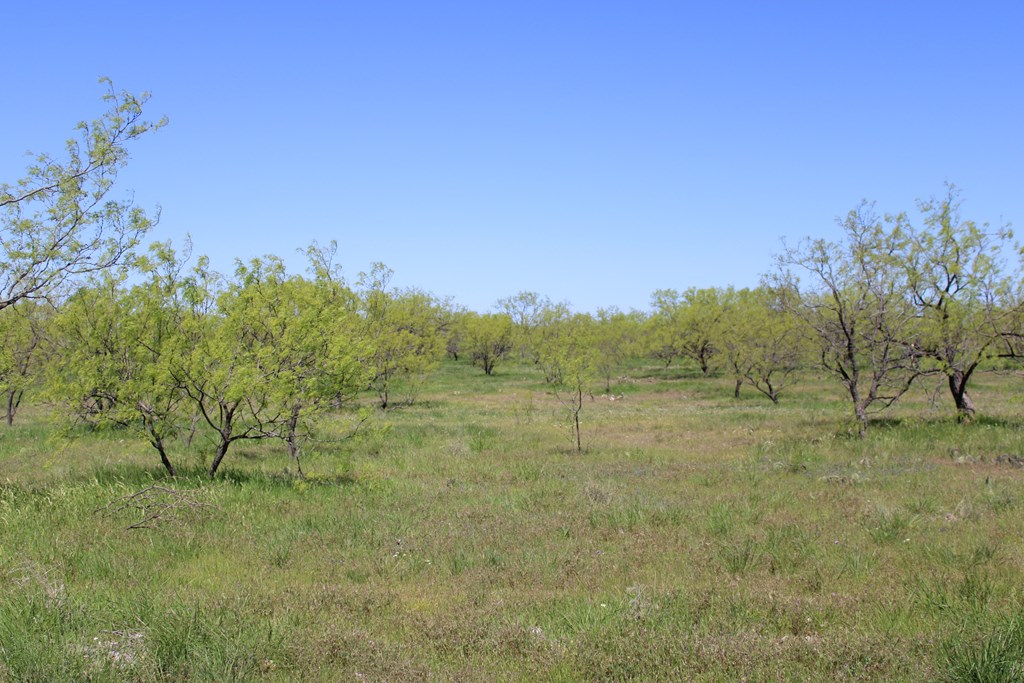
701,311
23,333
454,335
958,285
854,298
89,339
404,331
487,338
569,356
270,355
731,335
115,346
58,223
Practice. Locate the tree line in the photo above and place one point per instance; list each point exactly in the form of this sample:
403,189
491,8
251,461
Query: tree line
156,342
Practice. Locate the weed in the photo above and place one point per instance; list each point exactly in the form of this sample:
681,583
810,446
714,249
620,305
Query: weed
996,656
739,557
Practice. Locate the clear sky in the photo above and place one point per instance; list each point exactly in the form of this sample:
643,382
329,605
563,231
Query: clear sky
590,151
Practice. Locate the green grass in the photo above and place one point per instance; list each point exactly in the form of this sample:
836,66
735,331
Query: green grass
462,538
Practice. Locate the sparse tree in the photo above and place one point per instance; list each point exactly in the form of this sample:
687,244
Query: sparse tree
854,297
569,358
526,311
58,223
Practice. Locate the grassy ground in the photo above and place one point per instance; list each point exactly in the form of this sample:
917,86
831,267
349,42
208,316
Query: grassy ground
699,537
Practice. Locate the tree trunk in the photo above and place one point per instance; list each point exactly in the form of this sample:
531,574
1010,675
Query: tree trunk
860,411
576,418
958,388
13,401
222,450
158,444
736,390
293,438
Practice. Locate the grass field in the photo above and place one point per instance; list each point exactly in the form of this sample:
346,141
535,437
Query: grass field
698,537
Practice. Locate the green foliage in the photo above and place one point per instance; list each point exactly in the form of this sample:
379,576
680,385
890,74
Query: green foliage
23,347
114,352
683,325
58,222
570,361
406,333
854,303
263,355
486,338
995,657
616,338
759,340
956,280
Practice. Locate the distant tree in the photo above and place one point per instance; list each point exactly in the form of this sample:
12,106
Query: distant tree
58,222
854,299
535,319
662,339
526,311
455,333
702,310
683,324
759,340
404,330
616,337
487,338
958,285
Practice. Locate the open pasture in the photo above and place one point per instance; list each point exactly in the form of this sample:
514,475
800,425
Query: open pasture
698,537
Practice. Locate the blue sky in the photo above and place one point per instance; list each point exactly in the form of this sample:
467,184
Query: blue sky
589,151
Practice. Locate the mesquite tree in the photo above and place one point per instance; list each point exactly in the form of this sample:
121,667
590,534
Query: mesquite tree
956,280
59,223
853,296
487,338
114,350
23,335
759,340
405,335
